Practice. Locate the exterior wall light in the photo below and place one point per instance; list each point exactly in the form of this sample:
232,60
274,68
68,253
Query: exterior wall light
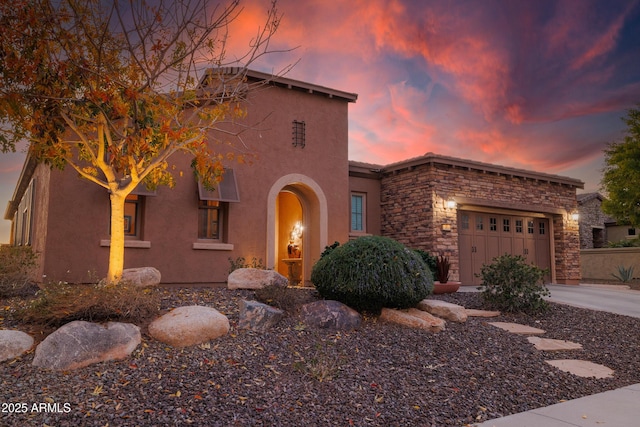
446,227
575,215
451,204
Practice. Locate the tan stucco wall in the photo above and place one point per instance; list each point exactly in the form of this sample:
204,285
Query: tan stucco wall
600,264
78,213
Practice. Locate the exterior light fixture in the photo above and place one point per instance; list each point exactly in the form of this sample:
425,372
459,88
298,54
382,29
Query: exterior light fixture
575,215
451,204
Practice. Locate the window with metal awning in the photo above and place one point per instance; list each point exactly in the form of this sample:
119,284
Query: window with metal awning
225,191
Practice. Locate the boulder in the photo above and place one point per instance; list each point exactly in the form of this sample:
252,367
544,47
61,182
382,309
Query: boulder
255,278
444,310
79,344
13,344
330,314
257,316
413,318
190,325
142,277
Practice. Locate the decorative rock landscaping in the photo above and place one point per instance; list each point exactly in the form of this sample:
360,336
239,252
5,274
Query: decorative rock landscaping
445,310
255,278
295,375
258,316
189,325
580,368
413,318
13,344
547,344
79,344
330,314
142,277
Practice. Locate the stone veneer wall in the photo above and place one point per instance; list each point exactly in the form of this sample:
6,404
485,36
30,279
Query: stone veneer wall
591,216
413,203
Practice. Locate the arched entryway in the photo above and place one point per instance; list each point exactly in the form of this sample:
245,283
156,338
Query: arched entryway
296,216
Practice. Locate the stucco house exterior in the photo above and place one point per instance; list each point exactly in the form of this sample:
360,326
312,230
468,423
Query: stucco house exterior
299,195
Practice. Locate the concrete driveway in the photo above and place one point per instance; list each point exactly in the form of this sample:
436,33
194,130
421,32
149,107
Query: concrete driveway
611,298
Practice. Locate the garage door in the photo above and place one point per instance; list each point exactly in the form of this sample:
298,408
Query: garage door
484,236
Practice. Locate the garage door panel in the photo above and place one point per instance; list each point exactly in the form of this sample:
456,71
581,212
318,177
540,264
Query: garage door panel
484,237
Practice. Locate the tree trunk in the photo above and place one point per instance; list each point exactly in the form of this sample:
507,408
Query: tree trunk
116,250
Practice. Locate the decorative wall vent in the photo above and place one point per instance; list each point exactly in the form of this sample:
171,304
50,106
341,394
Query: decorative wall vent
298,134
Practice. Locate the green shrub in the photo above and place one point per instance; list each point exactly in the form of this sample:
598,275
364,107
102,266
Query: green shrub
430,260
372,272
512,285
60,303
16,263
633,243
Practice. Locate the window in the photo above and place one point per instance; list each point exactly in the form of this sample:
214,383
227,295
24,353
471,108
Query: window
464,222
506,225
530,228
519,226
631,232
493,224
542,228
298,134
213,207
479,223
210,219
24,217
358,212
133,215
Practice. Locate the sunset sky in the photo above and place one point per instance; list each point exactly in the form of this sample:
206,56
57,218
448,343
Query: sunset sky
539,85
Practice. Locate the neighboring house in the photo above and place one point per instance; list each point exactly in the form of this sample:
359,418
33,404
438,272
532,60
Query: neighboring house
473,212
300,195
593,232
598,229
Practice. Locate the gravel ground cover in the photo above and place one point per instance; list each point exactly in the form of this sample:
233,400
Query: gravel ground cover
379,375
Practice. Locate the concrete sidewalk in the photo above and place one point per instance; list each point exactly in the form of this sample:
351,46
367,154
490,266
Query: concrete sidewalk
615,408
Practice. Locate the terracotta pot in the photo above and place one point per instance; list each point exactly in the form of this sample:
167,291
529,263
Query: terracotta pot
445,288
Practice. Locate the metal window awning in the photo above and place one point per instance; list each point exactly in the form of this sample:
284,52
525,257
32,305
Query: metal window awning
226,190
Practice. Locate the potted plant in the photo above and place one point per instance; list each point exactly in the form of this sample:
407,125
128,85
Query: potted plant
442,284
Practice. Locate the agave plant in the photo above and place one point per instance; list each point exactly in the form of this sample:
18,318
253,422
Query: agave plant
624,274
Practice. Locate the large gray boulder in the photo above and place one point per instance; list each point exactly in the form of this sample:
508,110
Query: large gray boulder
13,344
330,314
255,278
79,344
257,316
141,277
190,325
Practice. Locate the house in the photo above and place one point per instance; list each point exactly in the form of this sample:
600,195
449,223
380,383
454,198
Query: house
472,212
300,195
598,229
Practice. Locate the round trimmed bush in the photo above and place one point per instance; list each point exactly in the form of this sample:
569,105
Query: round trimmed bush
372,272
